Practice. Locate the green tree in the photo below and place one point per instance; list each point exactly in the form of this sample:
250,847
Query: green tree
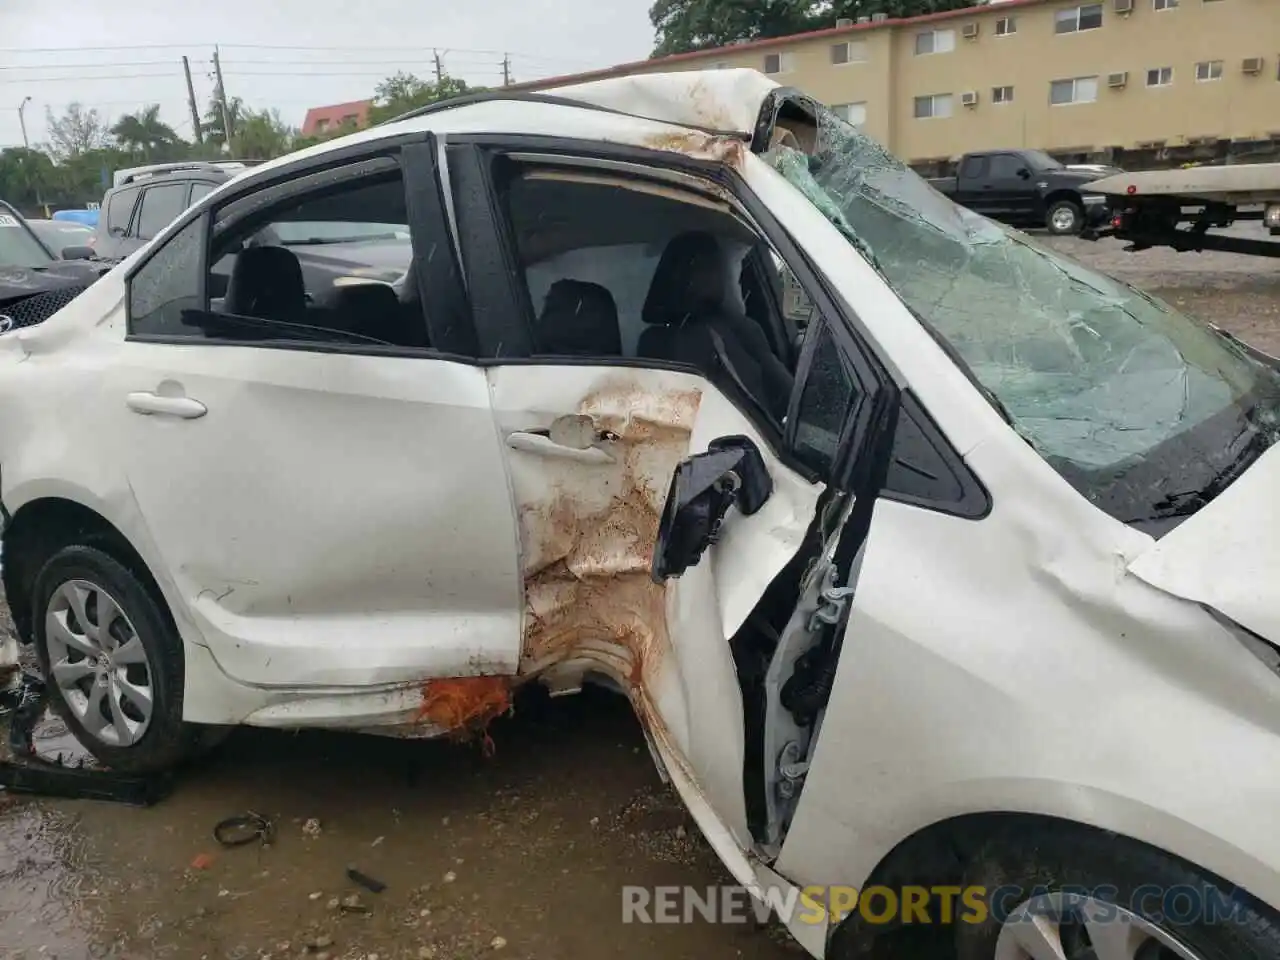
403,92
215,134
145,134
27,177
684,25
263,135
77,131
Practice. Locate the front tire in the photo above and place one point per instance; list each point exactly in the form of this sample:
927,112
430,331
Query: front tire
113,661
1106,896
1065,218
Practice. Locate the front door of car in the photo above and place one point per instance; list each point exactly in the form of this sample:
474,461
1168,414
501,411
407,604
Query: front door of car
608,428
322,484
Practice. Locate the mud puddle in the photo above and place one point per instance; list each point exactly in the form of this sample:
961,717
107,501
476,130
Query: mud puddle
523,854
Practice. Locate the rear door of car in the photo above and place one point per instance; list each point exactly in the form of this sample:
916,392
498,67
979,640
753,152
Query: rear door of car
159,205
638,562
330,507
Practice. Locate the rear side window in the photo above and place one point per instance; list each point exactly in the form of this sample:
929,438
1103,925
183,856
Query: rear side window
201,189
119,208
160,205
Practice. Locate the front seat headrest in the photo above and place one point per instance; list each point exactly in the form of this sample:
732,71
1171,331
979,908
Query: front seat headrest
690,277
371,309
266,282
580,319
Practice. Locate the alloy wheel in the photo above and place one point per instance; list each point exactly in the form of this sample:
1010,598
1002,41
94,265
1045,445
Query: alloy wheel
1063,926
98,663
1064,220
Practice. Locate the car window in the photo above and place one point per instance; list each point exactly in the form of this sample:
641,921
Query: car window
335,281
160,206
19,247
1005,166
201,189
1146,411
830,389
119,209
58,234
165,292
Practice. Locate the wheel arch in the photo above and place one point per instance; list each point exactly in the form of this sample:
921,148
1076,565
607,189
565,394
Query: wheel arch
938,853
43,525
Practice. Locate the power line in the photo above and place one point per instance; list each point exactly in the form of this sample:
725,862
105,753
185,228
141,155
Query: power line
421,48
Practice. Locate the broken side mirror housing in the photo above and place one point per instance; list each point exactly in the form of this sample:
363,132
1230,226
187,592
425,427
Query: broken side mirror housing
731,473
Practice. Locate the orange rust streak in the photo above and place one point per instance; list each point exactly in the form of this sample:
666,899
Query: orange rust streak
464,704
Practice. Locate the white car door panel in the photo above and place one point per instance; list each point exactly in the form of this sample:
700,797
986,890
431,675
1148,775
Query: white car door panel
588,527
331,519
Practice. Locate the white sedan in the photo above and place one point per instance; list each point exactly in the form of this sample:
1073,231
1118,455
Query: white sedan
926,556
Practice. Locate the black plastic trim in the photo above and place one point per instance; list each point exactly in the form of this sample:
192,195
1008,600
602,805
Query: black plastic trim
973,501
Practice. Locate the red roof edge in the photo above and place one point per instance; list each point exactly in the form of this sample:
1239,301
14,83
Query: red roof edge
623,69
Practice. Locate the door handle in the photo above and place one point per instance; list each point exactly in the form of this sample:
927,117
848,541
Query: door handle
543,446
147,403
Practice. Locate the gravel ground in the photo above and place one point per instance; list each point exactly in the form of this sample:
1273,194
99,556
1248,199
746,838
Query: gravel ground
522,854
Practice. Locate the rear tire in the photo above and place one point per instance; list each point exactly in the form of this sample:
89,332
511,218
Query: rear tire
113,661
1065,218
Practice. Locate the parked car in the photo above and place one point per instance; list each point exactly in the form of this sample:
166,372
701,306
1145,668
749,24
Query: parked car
965,583
63,235
144,200
34,283
1026,188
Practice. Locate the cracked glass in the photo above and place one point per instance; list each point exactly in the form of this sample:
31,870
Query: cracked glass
1147,412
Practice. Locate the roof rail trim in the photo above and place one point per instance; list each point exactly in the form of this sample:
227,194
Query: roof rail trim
467,99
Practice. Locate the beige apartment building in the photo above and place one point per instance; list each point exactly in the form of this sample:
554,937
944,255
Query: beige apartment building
1085,78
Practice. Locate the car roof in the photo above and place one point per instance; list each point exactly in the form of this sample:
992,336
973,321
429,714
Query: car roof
209,174
671,111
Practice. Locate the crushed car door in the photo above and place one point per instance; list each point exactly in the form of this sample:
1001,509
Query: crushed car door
602,435
314,461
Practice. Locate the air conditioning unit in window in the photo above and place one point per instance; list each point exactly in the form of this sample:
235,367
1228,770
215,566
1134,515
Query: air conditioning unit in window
970,31
1118,80
1252,65
864,19
879,17
1124,6
843,22
969,98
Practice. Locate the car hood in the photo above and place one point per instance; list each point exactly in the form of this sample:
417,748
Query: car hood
1227,555
18,282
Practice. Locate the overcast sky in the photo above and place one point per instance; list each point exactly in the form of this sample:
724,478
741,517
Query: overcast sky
118,55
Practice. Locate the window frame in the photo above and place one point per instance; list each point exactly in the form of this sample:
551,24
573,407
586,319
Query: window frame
662,166
1160,73
135,228
1078,10
784,63
1208,65
837,107
933,42
1011,27
1000,102
1161,6
1074,101
300,178
933,99
135,190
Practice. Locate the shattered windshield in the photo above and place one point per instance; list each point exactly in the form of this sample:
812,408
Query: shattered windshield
18,245
1145,411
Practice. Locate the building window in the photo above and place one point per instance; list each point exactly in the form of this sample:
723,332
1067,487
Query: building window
851,51
933,107
935,41
1207,70
1002,94
1075,90
1160,77
854,114
1077,19
777,63
1006,26
1164,4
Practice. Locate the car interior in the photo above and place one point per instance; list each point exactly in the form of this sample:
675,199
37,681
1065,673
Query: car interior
350,282
630,268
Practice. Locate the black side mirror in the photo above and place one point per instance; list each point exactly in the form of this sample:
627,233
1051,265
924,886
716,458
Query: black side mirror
705,486
78,253
1024,173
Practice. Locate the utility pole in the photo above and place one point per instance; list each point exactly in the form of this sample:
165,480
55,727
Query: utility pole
506,69
222,101
439,67
22,122
191,99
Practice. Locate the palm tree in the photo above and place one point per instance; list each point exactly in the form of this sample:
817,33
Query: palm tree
144,132
213,125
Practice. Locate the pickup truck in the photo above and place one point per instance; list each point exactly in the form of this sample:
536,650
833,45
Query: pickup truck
1027,188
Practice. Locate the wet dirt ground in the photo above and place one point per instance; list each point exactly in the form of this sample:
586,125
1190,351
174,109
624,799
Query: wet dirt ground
522,854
